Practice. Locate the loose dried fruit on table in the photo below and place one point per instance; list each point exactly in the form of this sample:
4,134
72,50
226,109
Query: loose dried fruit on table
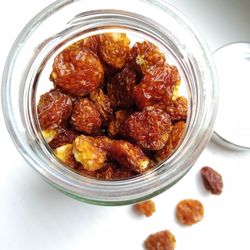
146,56
120,89
189,212
149,128
212,180
175,135
163,240
129,156
177,109
114,49
85,117
54,109
77,71
103,104
146,207
157,87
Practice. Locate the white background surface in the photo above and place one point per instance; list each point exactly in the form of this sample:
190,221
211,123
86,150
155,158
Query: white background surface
34,216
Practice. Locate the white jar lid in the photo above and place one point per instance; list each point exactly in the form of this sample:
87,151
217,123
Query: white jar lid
232,126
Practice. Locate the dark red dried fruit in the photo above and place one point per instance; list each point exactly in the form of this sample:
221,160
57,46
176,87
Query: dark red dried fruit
114,49
77,71
163,240
54,109
120,89
177,109
146,207
149,128
129,156
91,43
212,180
85,117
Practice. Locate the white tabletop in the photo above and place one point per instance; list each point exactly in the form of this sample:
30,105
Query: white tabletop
34,216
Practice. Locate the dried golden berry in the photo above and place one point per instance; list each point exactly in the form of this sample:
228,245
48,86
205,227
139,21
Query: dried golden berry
54,109
212,180
103,104
146,207
163,240
49,134
177,109
85,117
91,43
146,56
189,212
175,135
120,89
77,71
149,128
129,156
156,88
114,49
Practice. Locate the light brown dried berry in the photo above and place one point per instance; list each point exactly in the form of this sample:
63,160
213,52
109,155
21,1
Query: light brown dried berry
189,212
177,109
85,117
54,109
163,240
91,43
212,180
77,71
114,49
146,207
129,156
149,128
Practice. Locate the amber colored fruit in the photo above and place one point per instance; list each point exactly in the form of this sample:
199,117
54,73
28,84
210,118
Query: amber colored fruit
54,109
120,89
212,180
189,212
146,207
177,109
175,136
114,49
129,156
163,240
85,117
149,128
146,56
49,134
103,104
157,87
77,71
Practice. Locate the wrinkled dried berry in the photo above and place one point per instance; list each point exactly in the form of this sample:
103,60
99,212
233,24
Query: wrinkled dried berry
91,43
177,109
49,134
149,128
175,135
146,207
212,180
85,117
120,89
54,109
77,71
114,49
129,156
163,240
189,212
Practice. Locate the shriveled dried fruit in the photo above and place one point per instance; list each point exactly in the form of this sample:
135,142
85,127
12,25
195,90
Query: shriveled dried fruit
177,109
102,103
189,212
77,71
212,180
129,156
149,128
85,117
175,135
54,109
114,49
156,88
146,207
91,43
163,240
120,89
146,56
49,134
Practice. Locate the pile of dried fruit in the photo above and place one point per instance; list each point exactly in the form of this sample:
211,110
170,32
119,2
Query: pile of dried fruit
114,111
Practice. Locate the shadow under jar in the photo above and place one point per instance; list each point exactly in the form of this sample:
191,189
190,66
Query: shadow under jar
29,64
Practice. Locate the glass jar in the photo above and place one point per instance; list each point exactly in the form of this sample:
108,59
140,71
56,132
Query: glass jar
64,22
